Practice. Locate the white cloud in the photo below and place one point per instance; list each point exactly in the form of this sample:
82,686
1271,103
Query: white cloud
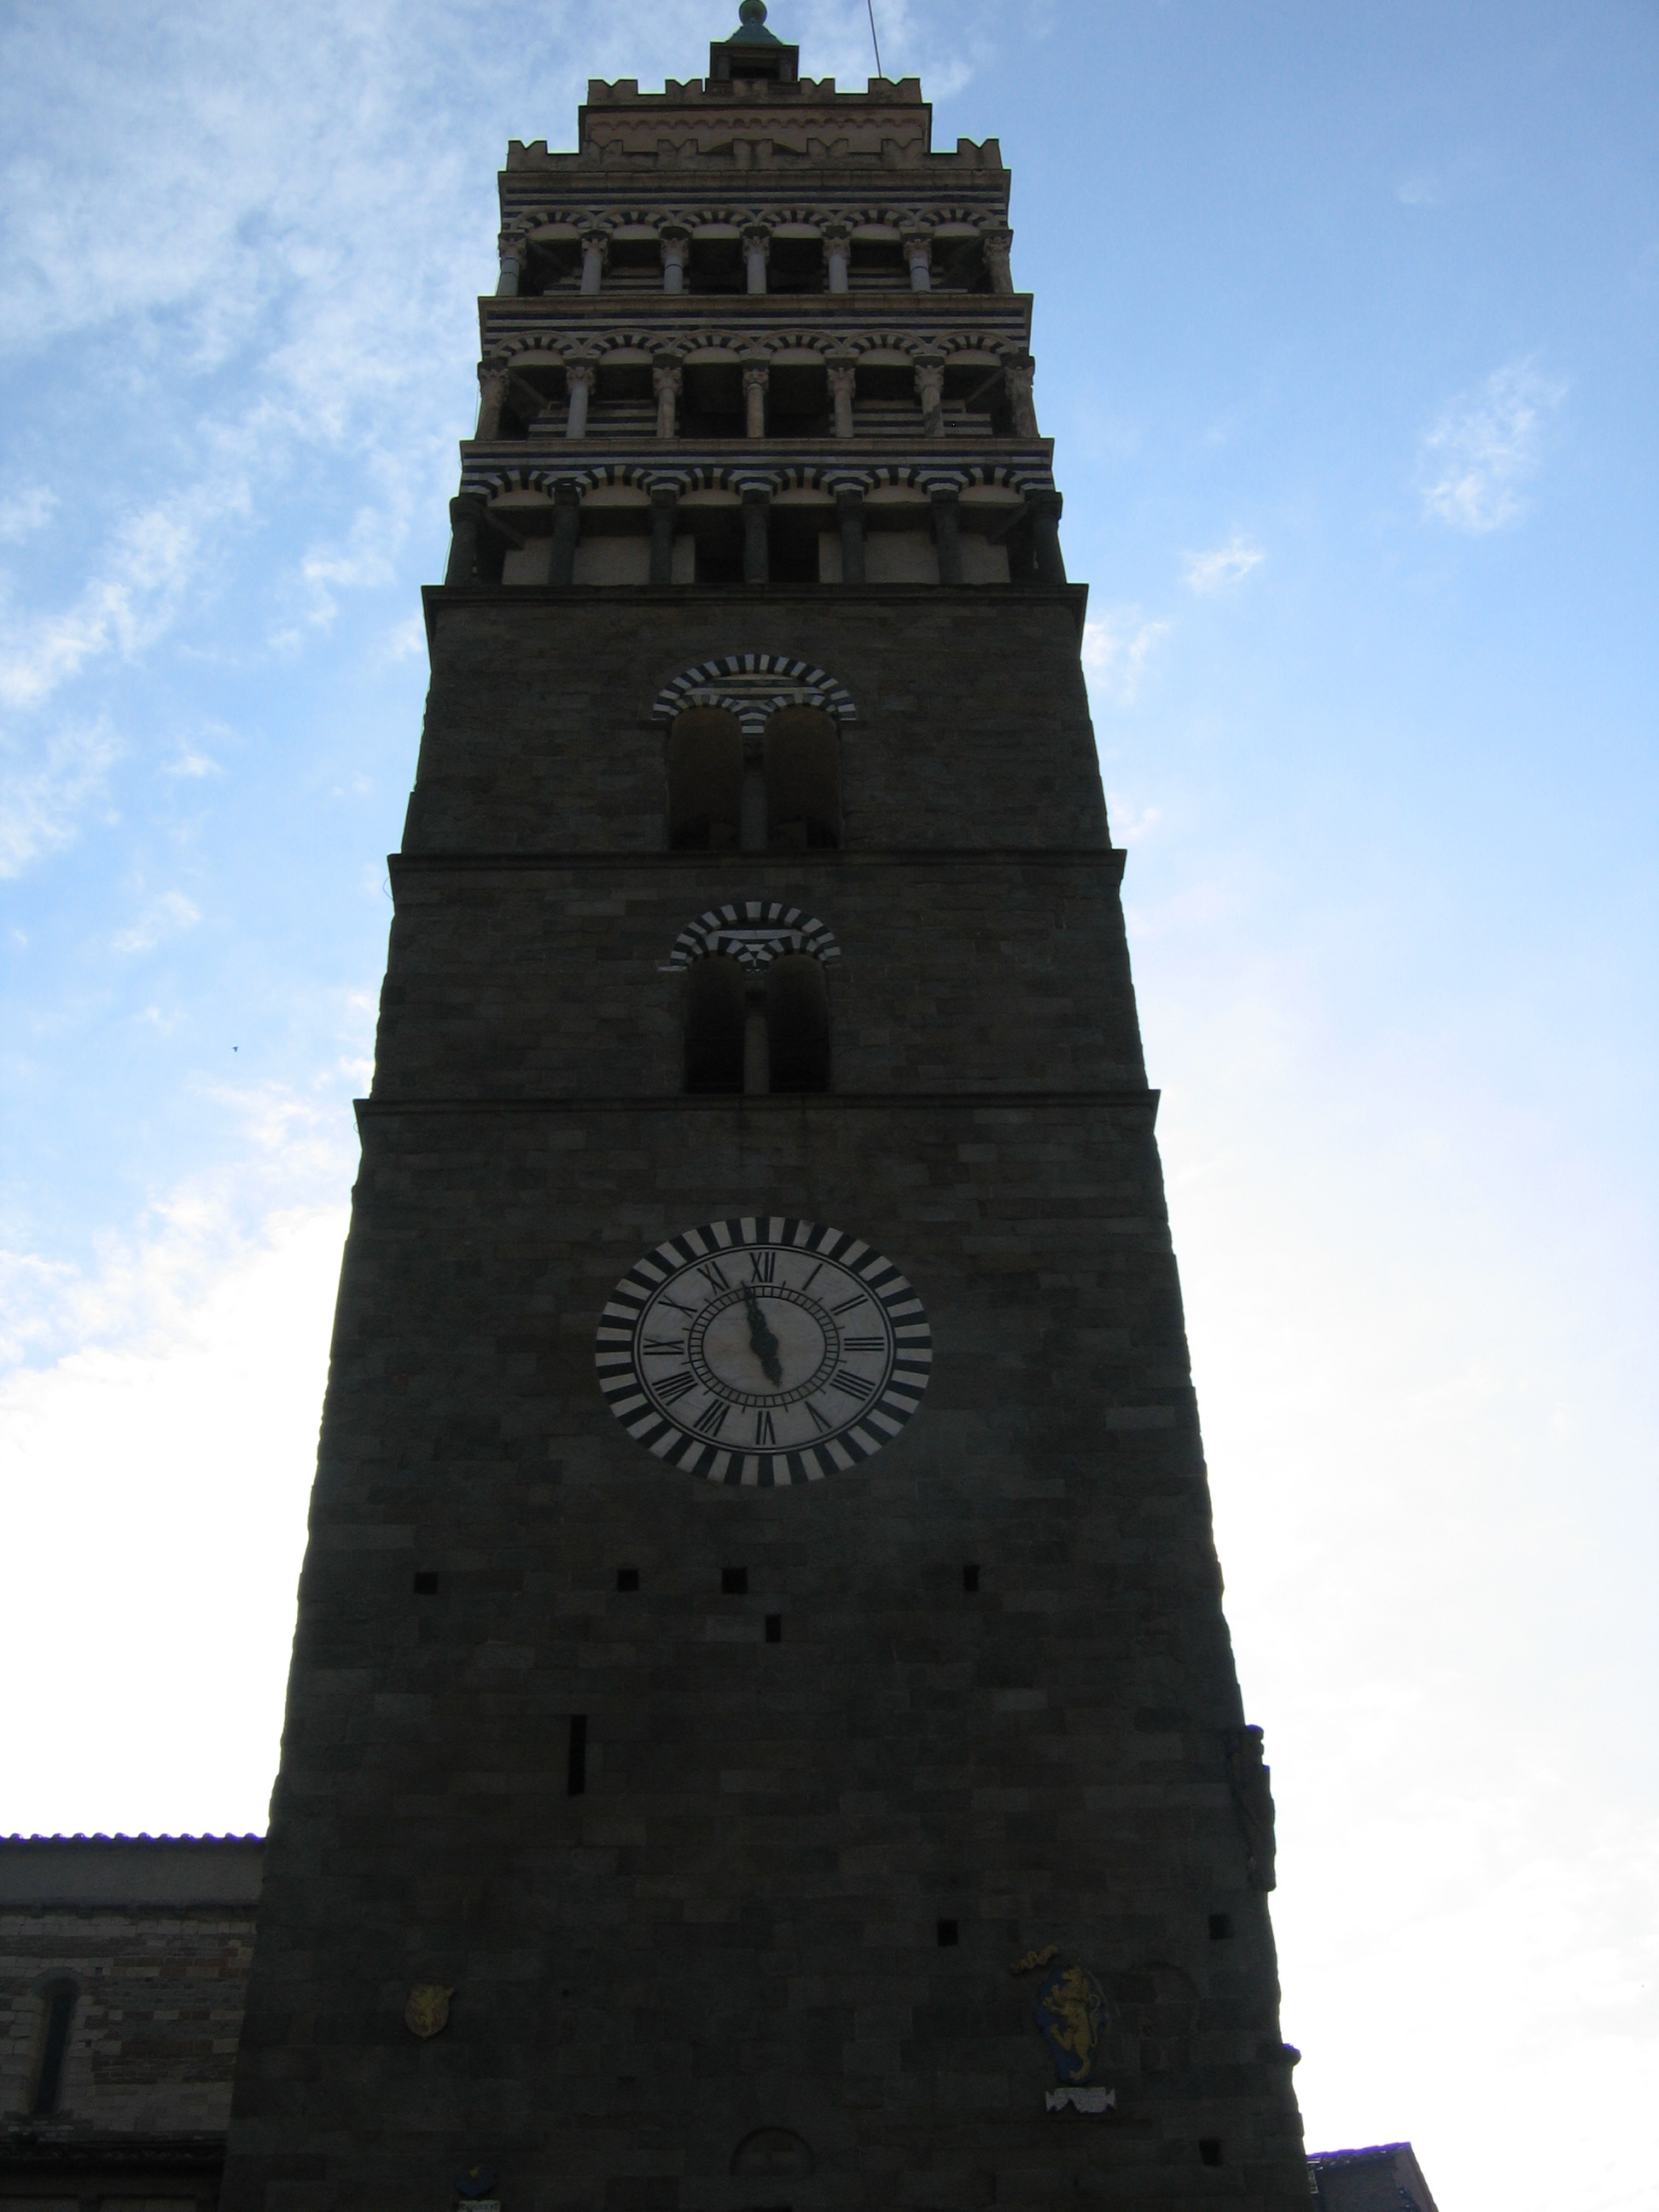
29,512
1421,189
153,556
1131,824
1479,453
1219,569
176,1467
42,801
193,763
170,915
1116,649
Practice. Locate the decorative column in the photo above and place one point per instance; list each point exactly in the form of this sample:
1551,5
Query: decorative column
930,386
919,253
466,515
751,805
666,380
494,377
1018,370
756,241
756,524
676,241
843,382
997,244
756,377
593,244
836,238
567,528
579,376
946,498
849,522
665,503
1043,506
514,254
756,1045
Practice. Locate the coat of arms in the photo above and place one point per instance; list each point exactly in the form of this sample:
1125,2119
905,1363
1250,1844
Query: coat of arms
427,2012
1070,2013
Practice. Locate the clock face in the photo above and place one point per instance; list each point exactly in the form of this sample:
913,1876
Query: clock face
763,1351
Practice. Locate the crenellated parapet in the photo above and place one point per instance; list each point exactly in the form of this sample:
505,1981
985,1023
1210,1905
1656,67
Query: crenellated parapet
754,328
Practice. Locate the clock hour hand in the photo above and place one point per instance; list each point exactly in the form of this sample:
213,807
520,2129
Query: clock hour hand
761,1342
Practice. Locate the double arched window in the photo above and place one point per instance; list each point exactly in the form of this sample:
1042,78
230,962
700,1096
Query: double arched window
780,794
757,1030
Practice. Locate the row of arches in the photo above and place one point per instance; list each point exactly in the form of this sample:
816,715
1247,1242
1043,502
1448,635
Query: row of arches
827,254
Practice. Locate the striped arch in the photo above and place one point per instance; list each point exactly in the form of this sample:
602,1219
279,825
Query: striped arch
753,686
753,932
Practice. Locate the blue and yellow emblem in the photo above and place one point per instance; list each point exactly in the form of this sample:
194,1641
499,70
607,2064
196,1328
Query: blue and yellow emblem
1070,2012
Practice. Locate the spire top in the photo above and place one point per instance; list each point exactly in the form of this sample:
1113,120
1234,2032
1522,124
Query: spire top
752,27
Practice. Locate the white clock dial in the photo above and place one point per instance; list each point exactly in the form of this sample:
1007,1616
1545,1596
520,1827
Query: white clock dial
764,1352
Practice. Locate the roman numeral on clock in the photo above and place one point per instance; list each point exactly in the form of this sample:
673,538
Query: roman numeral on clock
675,1386
855,1385
762,1266
665,1344
859,1343
764,1432
710,1272
712,1421
848,1304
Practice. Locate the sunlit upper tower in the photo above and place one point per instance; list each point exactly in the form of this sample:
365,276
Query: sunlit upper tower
763,1731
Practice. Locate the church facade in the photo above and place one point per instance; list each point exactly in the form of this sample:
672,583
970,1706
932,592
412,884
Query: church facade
763,1731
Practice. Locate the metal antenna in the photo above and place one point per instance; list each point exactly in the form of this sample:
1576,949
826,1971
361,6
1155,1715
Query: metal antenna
874,40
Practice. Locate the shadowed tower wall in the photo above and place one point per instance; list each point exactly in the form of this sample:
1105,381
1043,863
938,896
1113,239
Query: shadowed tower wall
763,1730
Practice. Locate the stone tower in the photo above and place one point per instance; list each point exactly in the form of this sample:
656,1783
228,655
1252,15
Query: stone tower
763,1731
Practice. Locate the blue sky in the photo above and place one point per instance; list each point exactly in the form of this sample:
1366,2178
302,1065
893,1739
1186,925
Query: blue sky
1345,327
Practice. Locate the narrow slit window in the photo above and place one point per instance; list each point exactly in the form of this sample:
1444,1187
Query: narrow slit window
734,1582
576,1770
775,1628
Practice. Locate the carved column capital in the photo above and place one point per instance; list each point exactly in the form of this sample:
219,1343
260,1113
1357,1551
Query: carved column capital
930,389
512,253
918,245
494,377
675,240
756,378
666,379
837,237
757,249
1018,370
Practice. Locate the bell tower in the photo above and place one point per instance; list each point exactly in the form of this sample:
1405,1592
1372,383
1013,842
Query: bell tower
763,1731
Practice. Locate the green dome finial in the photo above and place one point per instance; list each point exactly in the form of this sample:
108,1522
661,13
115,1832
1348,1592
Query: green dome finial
753,29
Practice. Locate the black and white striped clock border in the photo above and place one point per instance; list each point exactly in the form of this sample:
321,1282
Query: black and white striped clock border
624,1392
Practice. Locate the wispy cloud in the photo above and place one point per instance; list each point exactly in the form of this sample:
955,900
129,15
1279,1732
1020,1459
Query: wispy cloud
1116,649
170,915
1479,454
26,512
152,557
42,801
1222,567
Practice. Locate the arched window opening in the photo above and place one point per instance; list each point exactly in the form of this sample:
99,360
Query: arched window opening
705,780
713,1024
797,1024
803,780
58,2000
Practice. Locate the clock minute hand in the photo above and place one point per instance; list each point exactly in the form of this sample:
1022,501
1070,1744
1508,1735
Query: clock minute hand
761,1342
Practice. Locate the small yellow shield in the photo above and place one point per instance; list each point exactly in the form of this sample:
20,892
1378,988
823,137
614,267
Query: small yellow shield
427,2012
